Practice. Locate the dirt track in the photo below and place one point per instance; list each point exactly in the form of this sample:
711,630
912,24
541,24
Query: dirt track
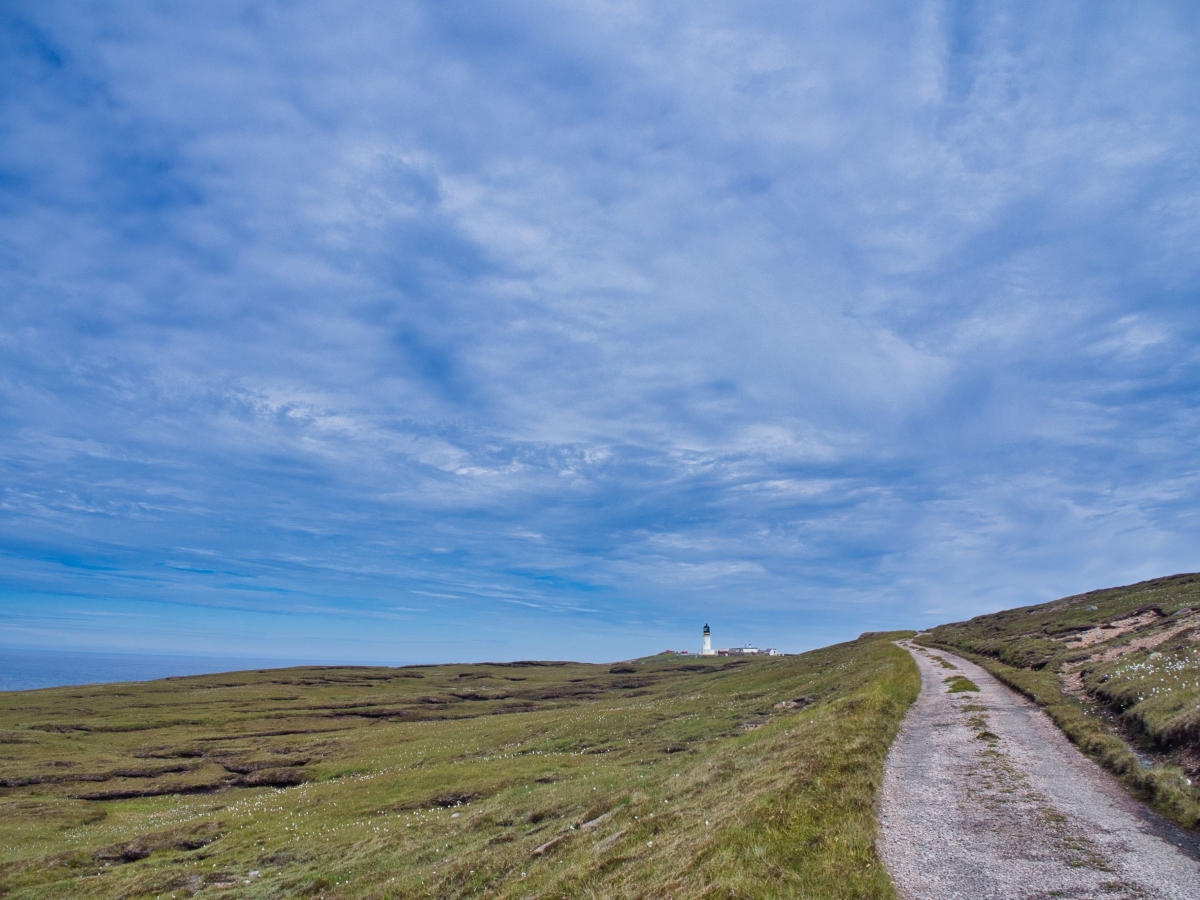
984,797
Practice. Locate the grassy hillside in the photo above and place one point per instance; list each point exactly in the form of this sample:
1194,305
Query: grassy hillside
1112,666
667,778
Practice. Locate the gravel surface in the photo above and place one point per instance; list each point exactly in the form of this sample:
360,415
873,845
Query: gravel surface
983,797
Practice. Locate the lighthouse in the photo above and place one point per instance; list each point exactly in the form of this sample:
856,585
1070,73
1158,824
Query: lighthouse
706,647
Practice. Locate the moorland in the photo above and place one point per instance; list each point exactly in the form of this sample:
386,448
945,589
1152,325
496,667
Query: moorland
664,777
667,776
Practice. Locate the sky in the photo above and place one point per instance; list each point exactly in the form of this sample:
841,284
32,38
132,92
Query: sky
457,331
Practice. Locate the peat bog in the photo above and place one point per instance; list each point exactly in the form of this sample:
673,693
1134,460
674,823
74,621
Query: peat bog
662,777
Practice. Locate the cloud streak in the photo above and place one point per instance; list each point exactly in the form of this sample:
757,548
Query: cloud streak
547,320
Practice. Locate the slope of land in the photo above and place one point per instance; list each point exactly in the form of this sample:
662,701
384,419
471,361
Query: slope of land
1118,670
985,798
667,777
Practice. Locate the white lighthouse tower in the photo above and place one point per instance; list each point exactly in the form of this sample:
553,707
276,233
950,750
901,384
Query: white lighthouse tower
706,648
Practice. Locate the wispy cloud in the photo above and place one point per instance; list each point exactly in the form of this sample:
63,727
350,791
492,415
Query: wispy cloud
538,319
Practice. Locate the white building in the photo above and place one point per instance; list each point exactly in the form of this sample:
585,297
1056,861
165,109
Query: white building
743,651
706,648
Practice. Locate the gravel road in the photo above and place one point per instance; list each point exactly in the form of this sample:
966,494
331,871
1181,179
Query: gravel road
983,797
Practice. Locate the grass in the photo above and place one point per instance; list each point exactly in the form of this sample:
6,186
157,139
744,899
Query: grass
668,778
960,683
1119,672
1157,692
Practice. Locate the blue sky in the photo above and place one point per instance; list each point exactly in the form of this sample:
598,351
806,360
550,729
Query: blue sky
458,331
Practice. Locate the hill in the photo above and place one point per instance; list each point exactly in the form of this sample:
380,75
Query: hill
666,777
1117,669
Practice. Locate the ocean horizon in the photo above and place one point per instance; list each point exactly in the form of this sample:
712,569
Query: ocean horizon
28,669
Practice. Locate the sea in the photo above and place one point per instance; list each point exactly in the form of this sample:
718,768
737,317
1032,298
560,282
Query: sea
25,670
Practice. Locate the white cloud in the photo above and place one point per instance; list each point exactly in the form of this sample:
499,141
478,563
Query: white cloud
720,304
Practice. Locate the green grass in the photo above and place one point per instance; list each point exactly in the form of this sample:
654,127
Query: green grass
960,683
1156,692
1134,655
680,778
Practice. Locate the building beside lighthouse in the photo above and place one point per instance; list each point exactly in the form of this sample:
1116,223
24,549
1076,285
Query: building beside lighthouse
706,648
